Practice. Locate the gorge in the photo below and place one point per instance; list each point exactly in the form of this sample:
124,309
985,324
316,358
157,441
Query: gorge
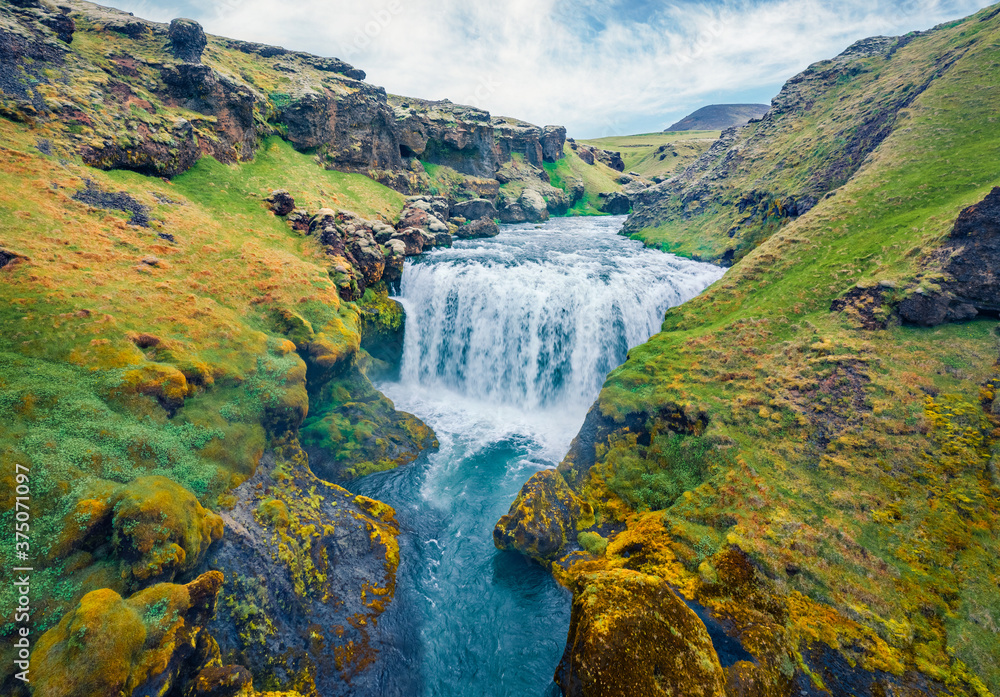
319,390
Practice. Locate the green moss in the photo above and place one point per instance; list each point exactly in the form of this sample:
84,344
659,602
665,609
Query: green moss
592,542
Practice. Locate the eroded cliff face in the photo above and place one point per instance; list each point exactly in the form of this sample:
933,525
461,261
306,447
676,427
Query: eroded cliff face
442,133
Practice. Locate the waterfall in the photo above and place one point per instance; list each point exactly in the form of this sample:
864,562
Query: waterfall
538,316
508,341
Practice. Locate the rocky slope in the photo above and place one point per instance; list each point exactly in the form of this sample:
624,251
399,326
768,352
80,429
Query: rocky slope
793,488
821,129
719,117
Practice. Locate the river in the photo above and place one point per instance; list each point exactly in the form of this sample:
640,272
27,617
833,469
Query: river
508,341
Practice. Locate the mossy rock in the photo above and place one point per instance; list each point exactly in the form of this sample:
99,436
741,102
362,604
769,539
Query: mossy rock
630,634
108,646
544,516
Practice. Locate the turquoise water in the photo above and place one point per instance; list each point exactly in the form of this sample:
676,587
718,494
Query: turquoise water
508,341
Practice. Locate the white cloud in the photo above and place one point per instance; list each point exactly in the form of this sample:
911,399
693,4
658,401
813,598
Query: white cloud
597,66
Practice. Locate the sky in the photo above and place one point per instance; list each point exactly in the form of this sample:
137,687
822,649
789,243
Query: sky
598,67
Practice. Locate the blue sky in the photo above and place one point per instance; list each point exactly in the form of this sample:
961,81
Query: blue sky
599,67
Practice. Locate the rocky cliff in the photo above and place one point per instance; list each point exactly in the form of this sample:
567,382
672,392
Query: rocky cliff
792,489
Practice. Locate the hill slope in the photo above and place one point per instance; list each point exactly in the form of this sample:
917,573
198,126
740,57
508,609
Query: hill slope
787,461
718,117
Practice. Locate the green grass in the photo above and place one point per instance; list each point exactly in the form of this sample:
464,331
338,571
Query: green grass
663,154
238,189
597,178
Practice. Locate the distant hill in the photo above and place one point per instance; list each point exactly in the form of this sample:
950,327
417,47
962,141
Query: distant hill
717,117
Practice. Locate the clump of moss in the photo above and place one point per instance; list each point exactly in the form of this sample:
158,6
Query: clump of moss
592,542
109,645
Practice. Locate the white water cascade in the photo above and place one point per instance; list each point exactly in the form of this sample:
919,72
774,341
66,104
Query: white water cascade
537,317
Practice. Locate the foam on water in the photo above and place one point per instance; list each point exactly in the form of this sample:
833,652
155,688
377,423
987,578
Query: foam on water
508,341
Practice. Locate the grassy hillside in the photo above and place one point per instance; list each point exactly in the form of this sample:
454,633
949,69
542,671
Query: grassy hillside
825,124
175,339
597,178
658,154
824,482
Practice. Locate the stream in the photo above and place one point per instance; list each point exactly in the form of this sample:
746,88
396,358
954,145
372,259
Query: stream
508,341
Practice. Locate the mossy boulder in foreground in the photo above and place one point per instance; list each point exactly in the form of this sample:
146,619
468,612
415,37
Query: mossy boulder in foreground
670,650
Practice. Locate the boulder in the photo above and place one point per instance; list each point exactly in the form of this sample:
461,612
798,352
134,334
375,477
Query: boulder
542,518
483,227
395,254
475,209
611,159
557,202
534,205
148,644
631,634
281,202
617,204
577,191
412,240
512,212
187,40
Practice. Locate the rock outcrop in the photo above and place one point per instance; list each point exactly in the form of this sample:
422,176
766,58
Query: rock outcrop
442,133
513,137
616,204
154,642
354,243
967,284
590,155
187,40
352,126
295,612
423,224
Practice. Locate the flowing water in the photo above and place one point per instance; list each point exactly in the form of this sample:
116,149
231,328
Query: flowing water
508,341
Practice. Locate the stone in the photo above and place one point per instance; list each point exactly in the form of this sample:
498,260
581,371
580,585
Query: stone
553,141
483,227
631,634
542,518
534,205
512,212
281,202
475,209
412,240
62,24
968,259
187,40
617,204
144,645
